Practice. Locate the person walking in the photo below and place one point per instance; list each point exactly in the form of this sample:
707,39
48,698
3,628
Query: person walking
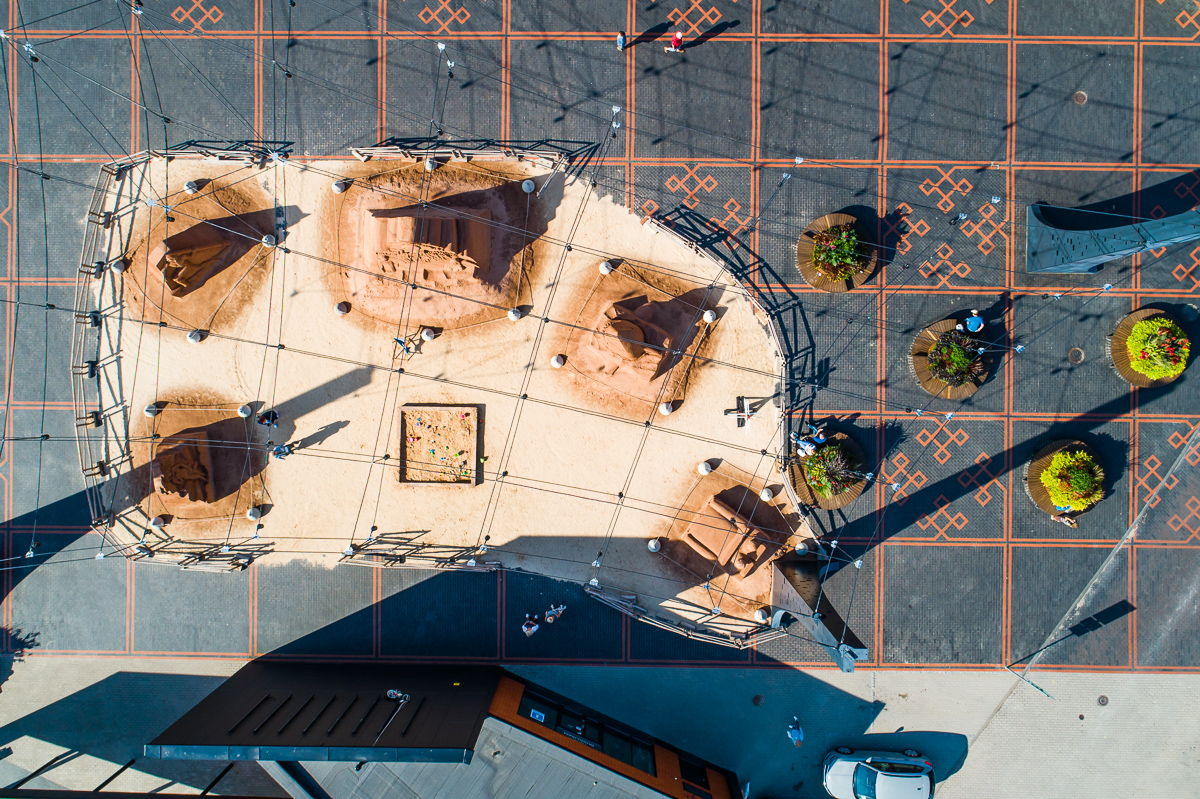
554,612
676,44
794,733
269,419
620,40
281,451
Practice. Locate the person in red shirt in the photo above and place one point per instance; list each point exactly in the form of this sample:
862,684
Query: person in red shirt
676,43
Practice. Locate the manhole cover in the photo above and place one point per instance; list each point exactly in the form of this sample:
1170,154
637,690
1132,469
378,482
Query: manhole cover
1075,355
758,700
1102,701
1080,98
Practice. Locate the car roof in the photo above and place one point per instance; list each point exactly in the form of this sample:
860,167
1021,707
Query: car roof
901,786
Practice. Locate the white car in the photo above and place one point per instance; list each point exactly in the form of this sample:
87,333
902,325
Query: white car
877,775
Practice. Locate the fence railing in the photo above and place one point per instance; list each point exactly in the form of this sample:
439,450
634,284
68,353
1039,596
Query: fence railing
102,414
544,152
627,604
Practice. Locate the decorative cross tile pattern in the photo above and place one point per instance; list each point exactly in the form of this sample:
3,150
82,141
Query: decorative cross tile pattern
213,15
943,268
975,477
900,225
945,187
688,24
1178,439
947,18
1187,18
1189,274
454,16
1190,522
1149,479
899,475
732,224
942,452
991,223
942,519
689,200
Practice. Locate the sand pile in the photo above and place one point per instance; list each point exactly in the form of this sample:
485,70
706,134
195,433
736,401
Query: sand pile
442,250
197,464
196,264
637,338
439,444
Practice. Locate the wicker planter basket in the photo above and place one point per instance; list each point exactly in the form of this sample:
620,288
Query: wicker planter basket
804,256
1032,476
919,363
1118,352
810,497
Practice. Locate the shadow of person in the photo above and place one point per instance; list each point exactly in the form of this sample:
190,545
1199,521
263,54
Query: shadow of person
322,435
650,34
711,33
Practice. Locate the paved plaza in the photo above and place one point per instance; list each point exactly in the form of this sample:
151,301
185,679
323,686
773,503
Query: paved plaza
906,113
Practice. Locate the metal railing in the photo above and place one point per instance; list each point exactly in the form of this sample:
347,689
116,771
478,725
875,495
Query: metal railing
627,604
102,415
544,152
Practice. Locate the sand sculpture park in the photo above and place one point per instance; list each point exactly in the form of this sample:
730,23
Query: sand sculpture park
444,374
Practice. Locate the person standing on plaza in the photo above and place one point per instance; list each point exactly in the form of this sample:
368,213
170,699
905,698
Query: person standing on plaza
794,733
620,40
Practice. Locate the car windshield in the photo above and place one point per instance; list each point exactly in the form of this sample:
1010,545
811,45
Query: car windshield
864,781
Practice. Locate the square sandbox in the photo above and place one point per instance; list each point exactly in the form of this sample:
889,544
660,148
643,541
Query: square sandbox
440,444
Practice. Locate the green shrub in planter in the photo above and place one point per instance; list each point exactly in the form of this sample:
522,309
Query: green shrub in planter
1074,480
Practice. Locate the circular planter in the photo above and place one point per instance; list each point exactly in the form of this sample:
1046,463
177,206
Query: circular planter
1118,352
1032,476
919,363
804,256
810,497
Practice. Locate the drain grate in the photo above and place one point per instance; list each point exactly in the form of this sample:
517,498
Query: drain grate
1075,355
1080,98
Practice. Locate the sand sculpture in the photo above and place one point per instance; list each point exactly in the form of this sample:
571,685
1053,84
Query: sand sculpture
450,263
187,260
450,253
437,249
183,468
631,342
726,538
635,342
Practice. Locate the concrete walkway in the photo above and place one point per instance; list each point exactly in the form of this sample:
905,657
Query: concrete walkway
987,734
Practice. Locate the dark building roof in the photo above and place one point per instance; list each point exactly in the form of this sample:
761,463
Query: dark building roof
291,711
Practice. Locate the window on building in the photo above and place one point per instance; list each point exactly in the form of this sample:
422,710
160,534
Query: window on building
618,745
539,710
643,757
606,737
693,772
